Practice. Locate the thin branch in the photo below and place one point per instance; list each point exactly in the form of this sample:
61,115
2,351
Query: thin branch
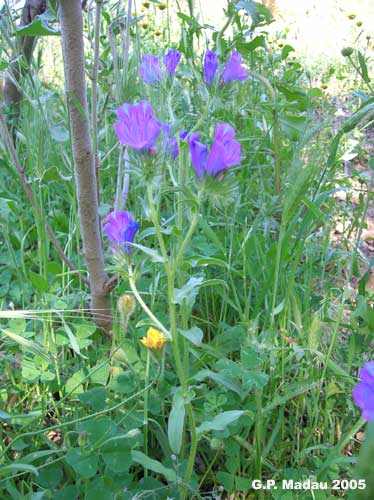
30,196
94,79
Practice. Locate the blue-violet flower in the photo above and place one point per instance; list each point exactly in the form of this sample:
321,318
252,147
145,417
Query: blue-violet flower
363,392
171,61
210,66
234,70
121,228
150,69
224,153
137,127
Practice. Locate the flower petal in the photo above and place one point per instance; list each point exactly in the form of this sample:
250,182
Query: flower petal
234,70
199,154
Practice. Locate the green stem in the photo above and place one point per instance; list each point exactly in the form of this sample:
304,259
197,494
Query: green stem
146,407
171,267
154,218
182,248
146,308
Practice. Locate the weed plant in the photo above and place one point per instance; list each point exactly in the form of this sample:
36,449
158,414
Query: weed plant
250,370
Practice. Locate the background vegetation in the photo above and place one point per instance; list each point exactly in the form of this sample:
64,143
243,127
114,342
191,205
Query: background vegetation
272,295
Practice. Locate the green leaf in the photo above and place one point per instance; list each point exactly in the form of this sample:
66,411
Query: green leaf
293,126
50,476
363,66
95,398
286,51
124,383
28,345
155,256
39,27
224,380
291,393
254,379
153,465
221,421
100,374
38,282
117,456
73,341
226,479
191,21
279,308
74,384
259,14
194,335
98,430
18,467
247,47
84,465
176,422
188,292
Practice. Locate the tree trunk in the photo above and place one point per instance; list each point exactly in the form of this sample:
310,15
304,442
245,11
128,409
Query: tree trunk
12,92
84,164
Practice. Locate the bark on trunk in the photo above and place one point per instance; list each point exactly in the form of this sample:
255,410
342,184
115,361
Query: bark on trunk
84,164
12,92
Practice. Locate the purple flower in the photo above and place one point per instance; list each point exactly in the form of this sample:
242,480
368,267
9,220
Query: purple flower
234,70
170,142
121,228
224,153
363,392
183,134
171,61
137,127
150,69
210,66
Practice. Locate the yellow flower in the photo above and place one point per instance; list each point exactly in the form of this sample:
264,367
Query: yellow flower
145,25
146,4
157,33
162,6
154,339
324,86
351,15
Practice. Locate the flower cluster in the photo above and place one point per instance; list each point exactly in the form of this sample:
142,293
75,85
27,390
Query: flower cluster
224,153
138,128
233,70
363,392
150,67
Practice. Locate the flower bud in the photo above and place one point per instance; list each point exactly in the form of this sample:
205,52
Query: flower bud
347,51
120,355
115,371
133,433
126,305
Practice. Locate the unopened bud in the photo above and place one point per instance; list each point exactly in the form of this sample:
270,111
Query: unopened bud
126,305
347,51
